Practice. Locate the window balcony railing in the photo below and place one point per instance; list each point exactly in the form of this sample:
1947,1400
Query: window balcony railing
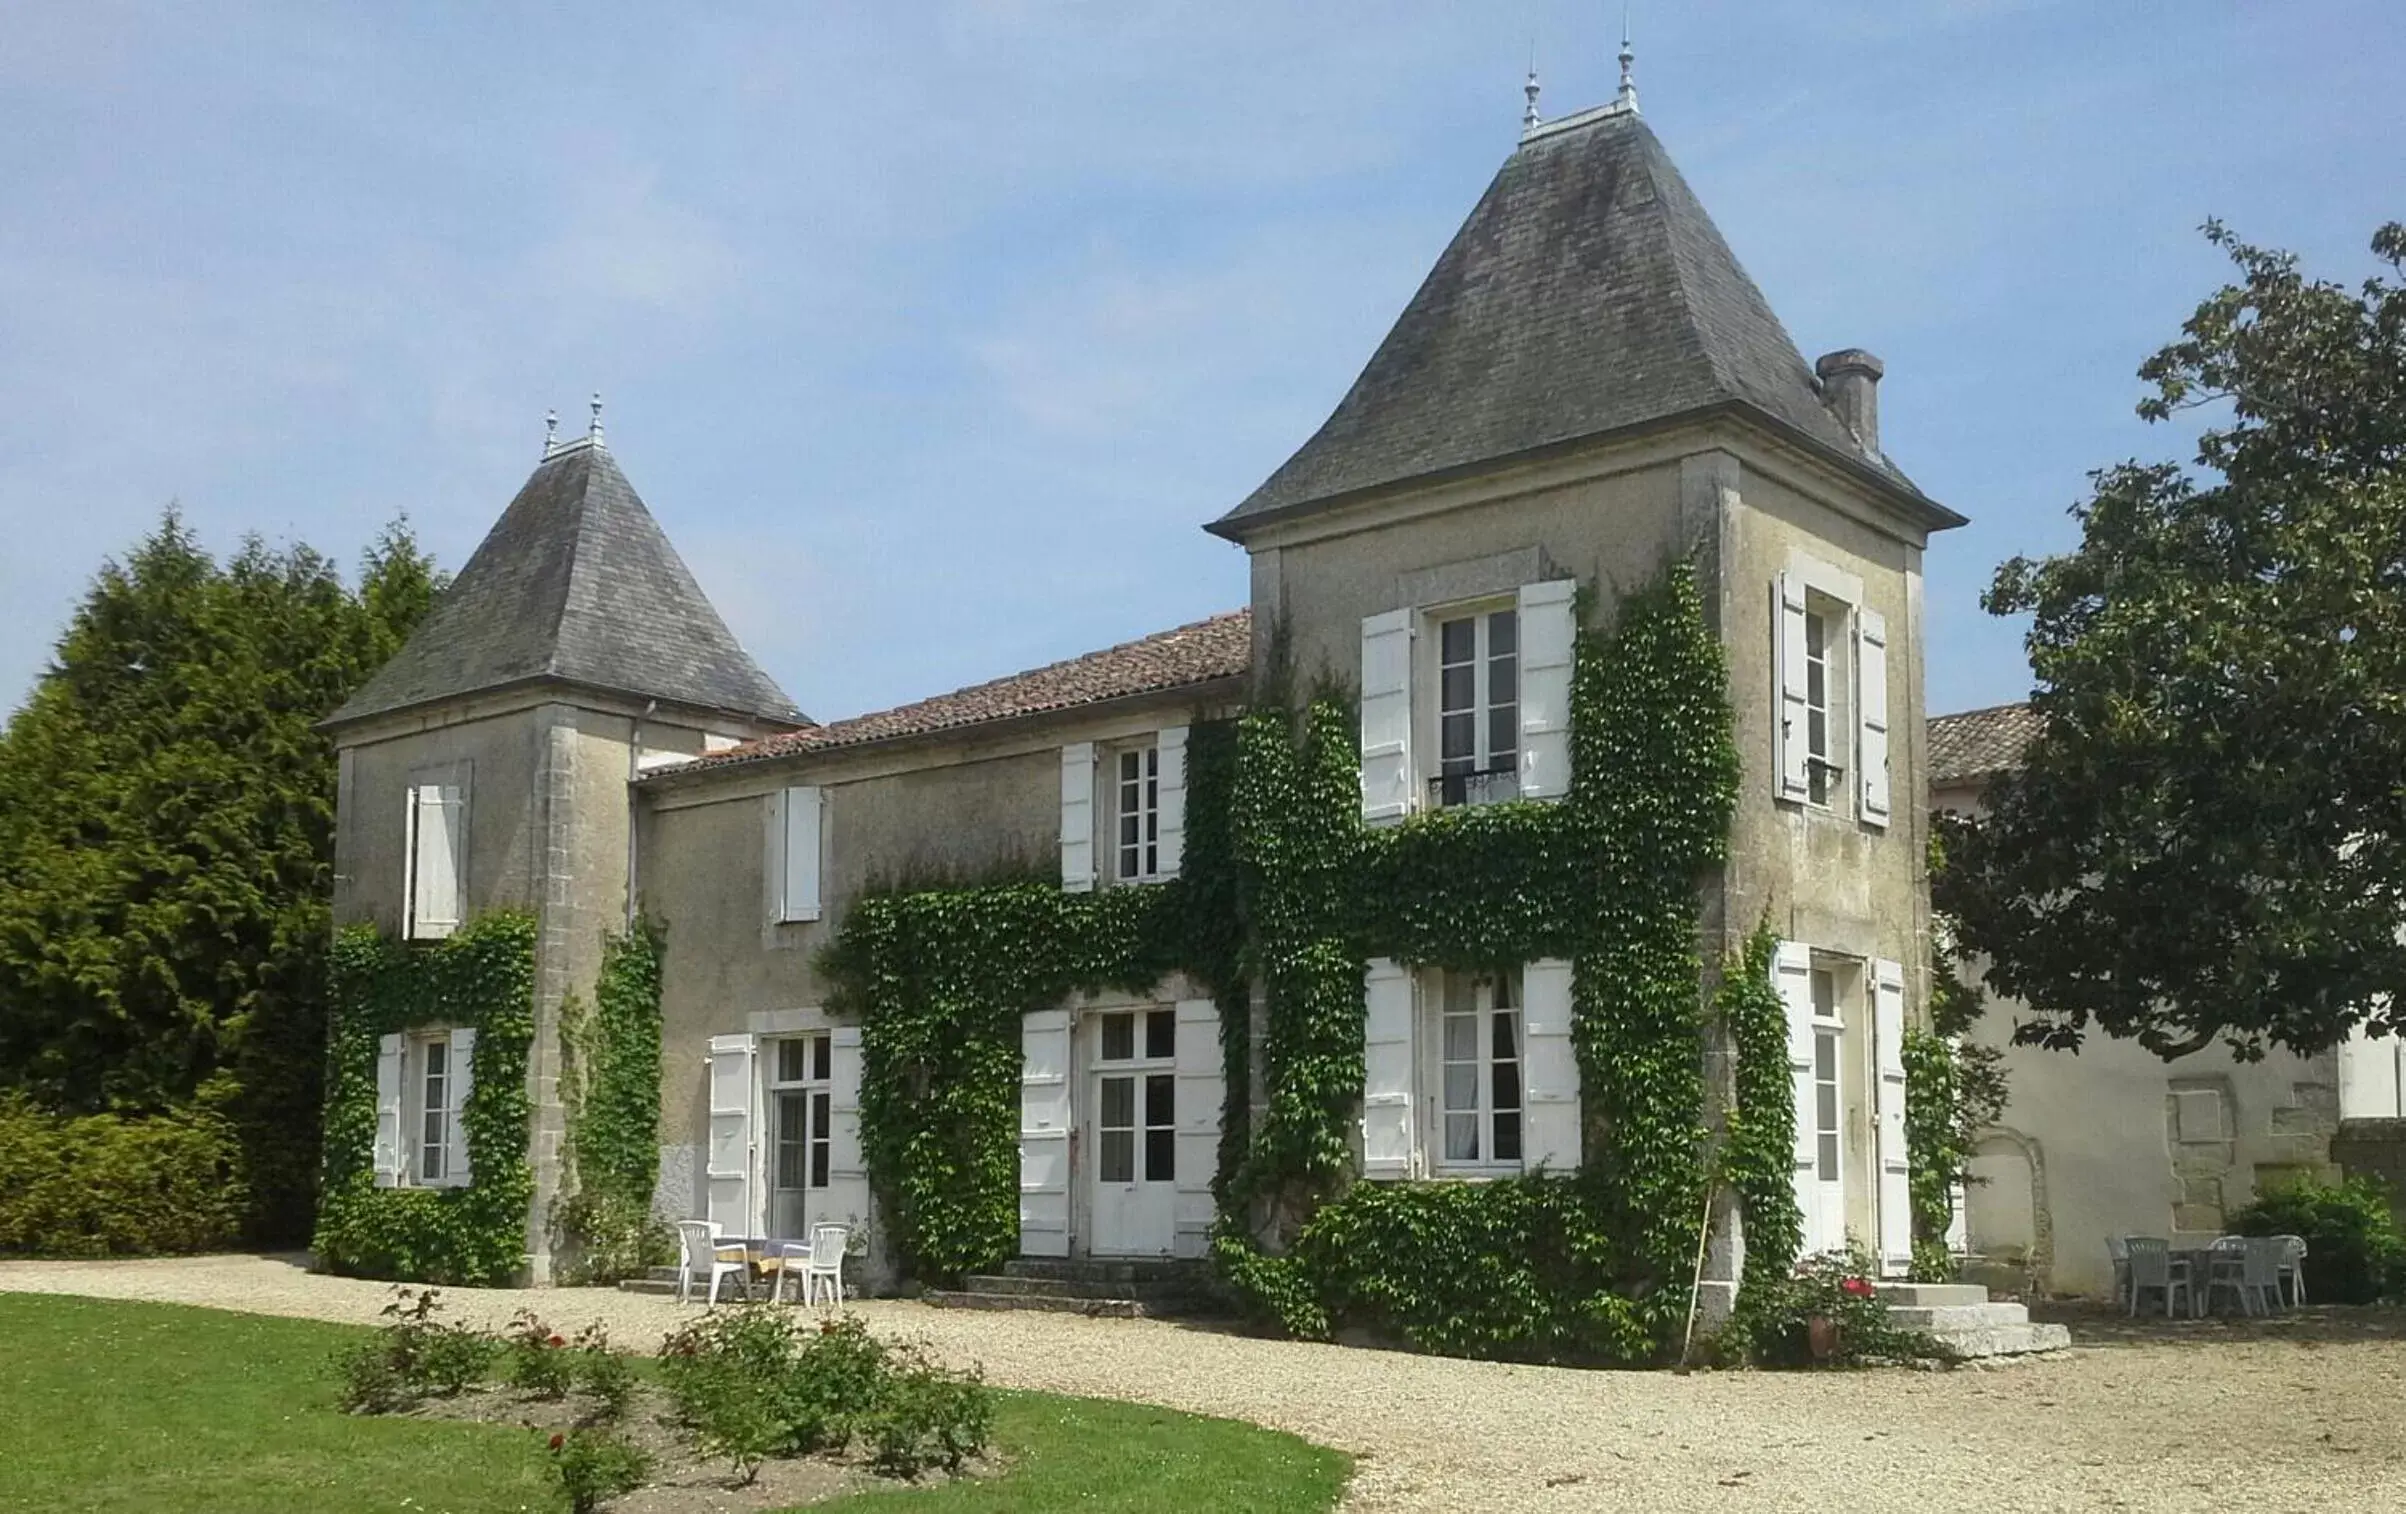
1484,786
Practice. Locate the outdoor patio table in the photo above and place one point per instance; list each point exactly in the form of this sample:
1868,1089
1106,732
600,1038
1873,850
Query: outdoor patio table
2200,1258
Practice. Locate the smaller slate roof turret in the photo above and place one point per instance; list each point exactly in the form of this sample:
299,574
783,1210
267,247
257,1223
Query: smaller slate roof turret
576,584
1588,293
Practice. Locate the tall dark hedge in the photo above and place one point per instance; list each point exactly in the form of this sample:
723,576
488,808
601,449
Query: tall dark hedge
167,843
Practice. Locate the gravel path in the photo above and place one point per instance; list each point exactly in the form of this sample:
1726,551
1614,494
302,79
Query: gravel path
2247,1418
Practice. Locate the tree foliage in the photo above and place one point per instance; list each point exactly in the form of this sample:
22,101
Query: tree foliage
166,841
2208,837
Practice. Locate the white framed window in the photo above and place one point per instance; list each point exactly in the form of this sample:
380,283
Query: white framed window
437,1108
1478,707
1136,813
434,854
801,1097
423,1080
1479,1073
1821,770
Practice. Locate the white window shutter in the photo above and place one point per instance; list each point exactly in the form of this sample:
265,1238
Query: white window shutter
1172,791
1077,816
1387,715
438,832
1896,1168
1202,1083
804,813
1548,641
1871,700
845,1199
734,1093
1044,1115
459,1174
1789,740
1550,1068
1792,974
1389,1007
388,1112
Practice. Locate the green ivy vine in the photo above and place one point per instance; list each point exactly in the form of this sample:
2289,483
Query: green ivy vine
612,1089
483,978
1758,1142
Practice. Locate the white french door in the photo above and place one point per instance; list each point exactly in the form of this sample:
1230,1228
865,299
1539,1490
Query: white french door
1825,1195
800,1100
1130,1153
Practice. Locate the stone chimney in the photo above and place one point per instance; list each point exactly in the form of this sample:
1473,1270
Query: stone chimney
1850,386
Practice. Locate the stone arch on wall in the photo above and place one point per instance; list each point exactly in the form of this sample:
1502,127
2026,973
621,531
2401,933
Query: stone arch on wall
2006,1204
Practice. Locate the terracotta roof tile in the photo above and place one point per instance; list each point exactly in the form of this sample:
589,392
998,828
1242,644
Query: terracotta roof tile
1979,743
1204,652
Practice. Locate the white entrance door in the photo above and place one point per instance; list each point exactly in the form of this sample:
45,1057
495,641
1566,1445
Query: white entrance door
1131,1151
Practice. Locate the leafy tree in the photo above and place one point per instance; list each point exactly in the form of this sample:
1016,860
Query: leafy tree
166,841
2208,836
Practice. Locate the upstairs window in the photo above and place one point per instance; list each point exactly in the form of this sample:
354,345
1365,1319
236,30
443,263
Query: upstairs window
1479,1080
1138,811
1478,708
1820,771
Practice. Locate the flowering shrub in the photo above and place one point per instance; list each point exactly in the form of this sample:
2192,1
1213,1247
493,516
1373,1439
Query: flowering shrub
540,1362
412,1357
1831,1296
593,1465
603,1375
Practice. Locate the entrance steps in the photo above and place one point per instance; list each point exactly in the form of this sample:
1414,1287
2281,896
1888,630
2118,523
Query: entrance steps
1102,1287
1961,1317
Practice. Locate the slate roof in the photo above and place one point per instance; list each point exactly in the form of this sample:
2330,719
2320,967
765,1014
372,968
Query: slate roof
576,582
1204,652
1587,293
1979,743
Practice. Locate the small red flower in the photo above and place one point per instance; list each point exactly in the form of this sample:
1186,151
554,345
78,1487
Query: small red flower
1857,1288
555,1340
558,1441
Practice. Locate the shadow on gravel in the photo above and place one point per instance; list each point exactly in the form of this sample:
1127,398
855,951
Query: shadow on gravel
2096,1324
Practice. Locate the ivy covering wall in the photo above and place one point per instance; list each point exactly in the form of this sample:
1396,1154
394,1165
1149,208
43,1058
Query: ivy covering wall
1286,892
939,980
612,1090
1591,1265
481,978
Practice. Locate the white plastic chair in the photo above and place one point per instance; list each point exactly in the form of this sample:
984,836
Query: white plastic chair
2153,1269
2292,1271
2249,1266
705,1255
824,1262
2117,1251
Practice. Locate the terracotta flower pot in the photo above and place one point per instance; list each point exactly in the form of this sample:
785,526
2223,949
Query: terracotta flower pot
1821,1337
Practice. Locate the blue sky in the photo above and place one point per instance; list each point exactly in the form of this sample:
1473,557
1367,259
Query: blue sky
933,332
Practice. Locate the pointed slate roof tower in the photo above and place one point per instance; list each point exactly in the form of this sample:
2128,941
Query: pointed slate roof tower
576,584
1588,294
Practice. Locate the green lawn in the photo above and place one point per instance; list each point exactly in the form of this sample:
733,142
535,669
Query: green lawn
110,1406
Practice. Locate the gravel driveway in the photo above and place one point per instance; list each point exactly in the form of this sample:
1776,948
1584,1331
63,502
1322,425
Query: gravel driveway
2256,1417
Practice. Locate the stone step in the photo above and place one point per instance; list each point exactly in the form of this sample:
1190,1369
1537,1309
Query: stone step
1097,1308
1062,1287
2004,1340
1937,1317
1931,1295
1083,1269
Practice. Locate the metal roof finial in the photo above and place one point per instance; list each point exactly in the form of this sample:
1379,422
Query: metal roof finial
551,432
1627,98
1529,117
593,432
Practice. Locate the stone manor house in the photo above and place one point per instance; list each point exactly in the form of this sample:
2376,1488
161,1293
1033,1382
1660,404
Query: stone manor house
1586,387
